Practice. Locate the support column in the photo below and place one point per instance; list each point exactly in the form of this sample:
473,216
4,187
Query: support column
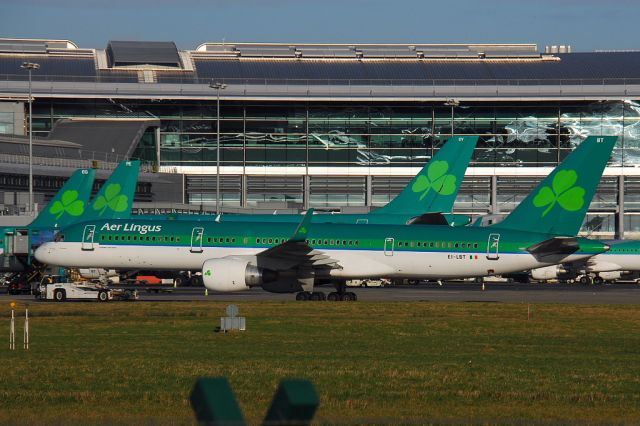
157,132
305,196
368,195
620,209
243,190
495,208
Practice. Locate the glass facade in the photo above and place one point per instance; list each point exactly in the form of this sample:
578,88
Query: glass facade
337,154
363,135
7,123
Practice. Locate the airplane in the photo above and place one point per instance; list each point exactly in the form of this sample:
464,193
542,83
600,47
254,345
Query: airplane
623,257
70,205
285,258
433,190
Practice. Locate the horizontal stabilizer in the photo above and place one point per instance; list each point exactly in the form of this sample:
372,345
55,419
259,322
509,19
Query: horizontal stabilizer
554,247
429,219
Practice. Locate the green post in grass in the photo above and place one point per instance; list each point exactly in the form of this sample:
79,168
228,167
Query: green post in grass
214,403
294,404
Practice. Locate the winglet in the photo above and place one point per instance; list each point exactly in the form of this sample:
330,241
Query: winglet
303,228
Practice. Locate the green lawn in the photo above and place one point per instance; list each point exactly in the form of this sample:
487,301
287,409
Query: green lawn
375,362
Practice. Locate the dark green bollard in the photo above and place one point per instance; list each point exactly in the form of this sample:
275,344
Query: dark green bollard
294,404
214,403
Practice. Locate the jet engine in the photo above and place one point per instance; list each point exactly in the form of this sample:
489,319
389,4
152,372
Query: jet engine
234,273
611,276
600,266
548,273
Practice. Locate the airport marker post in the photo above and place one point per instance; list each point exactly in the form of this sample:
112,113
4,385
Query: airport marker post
26,328
12,331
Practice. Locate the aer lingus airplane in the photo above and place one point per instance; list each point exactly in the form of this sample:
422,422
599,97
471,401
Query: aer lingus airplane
433,190
283,257
71,205
623,257
66,205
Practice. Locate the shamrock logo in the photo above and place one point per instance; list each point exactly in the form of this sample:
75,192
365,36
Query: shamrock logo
112,199
303,230
208,273
68,203
562,191
436,179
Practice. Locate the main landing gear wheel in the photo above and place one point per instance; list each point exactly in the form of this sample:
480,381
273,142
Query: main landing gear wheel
585,280
307,295
598,280
349,297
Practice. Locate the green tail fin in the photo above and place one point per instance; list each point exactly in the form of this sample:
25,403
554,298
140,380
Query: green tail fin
560,202
436,187
115,198
69,203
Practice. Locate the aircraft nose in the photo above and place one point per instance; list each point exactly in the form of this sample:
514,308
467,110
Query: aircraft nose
44,253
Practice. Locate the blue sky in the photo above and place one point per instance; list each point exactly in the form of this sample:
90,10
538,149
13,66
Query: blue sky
586,25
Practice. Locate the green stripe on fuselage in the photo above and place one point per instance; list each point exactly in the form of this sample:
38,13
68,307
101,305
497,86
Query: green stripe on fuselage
425,238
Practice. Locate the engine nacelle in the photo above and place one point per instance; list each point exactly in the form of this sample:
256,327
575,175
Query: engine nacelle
234,273
610,276
601,266
551,272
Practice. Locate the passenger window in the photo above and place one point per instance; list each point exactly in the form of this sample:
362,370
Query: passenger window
455,245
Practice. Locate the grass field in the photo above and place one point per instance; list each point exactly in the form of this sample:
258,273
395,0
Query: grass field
370,362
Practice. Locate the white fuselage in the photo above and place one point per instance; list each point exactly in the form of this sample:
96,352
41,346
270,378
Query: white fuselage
352,263
607,262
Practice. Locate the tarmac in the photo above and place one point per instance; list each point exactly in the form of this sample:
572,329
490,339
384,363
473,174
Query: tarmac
448,292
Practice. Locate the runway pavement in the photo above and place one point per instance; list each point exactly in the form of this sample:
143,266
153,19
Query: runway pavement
448,292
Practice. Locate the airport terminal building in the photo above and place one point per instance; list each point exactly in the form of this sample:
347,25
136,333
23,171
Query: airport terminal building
336,127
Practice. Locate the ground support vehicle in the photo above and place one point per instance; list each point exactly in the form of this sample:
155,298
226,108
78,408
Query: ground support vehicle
61,291
368,282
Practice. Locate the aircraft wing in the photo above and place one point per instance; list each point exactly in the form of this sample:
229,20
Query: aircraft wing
295,252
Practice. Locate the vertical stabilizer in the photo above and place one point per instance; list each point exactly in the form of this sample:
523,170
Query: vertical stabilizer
115,198
560,202
436,187
69,203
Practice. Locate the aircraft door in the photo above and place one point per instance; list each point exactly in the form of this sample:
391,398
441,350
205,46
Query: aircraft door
87,237
196,240
493,247
388,246
8,243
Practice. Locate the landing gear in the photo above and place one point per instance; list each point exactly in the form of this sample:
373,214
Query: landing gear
597,280
308,295
585,280
341,293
